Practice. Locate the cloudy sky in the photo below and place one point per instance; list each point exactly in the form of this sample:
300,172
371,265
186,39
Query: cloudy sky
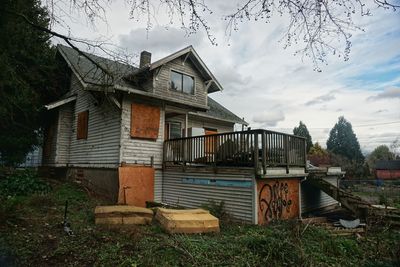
269,86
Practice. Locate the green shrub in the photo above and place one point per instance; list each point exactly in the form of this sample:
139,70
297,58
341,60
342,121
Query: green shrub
23,183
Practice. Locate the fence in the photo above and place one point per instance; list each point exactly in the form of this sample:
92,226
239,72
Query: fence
254,148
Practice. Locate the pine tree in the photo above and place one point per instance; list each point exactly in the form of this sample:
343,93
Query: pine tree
26,68
342,141
303,131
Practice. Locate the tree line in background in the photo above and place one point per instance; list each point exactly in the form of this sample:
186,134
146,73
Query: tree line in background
30,76
343,149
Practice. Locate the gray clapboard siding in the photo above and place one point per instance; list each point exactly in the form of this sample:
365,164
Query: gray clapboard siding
101,148
221,127
238,200
65,115
49,157
140,151
312,198
158,176
162,83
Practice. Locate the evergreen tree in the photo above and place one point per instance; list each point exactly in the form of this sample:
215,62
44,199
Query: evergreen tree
303,131
342,141
26,65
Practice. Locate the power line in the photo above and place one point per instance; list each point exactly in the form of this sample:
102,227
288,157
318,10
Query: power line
324,128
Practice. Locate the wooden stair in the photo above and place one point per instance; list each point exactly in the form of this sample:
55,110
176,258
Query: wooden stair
355,204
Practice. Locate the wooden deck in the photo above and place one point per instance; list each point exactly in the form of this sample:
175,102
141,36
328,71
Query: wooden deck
258,149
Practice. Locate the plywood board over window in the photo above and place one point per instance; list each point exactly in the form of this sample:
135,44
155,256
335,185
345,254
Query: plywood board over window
145,121
82,125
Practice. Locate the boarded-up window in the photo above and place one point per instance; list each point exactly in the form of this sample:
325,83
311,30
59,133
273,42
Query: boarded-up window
82,125
145,121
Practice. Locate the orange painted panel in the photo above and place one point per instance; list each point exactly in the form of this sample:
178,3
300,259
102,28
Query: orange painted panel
136,185
145,121
278,199
209,141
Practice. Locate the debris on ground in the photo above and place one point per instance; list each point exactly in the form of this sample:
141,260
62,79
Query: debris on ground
337,228
187,221
123,215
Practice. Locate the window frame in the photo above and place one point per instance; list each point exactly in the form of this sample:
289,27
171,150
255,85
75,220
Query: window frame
168,124
82,120
183,74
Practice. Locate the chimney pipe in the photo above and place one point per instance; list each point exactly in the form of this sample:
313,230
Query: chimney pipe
145,59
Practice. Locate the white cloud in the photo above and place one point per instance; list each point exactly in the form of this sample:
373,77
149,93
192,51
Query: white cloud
321,99
269,86
159,40
269,117
389,93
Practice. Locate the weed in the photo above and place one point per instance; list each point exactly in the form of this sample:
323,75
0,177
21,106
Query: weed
217,209
23,183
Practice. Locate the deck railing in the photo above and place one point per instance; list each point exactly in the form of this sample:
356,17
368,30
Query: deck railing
254,148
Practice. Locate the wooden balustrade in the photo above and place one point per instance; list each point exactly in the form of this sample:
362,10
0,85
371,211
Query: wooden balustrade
254,148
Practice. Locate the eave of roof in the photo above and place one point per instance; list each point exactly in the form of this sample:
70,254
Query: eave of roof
198,62
60,102
219,112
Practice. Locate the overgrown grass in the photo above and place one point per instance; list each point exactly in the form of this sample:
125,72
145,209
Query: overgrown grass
32,235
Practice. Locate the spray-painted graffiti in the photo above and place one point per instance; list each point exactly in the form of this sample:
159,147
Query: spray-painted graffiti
274,200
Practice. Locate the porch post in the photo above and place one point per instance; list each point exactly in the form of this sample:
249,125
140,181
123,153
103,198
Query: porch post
186,124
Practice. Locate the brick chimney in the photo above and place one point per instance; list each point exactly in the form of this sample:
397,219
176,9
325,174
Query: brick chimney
145,59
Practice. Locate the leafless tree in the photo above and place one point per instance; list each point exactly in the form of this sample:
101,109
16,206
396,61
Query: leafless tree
319,27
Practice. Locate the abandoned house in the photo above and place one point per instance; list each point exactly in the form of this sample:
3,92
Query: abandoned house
153,134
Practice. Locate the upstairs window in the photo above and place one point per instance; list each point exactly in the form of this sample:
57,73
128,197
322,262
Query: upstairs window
182,83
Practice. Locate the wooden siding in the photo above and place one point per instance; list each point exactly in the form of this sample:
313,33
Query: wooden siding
50,145
196,122
238,200
312,198
135,150
162,83
387,174
221,127
101,148
65,130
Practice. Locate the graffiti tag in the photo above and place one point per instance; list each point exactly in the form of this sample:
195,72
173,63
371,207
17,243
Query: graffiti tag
275,202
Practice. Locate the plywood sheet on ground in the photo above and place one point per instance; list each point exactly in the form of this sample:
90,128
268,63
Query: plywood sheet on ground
278,199
187,221
127,215
136,185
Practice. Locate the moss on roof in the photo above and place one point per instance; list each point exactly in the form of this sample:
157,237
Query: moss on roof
91,74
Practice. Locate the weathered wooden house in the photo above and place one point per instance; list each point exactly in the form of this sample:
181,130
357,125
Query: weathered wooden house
153,133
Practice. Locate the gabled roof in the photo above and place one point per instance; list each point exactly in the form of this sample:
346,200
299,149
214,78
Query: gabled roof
88,73
387,165
199,64
219,112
